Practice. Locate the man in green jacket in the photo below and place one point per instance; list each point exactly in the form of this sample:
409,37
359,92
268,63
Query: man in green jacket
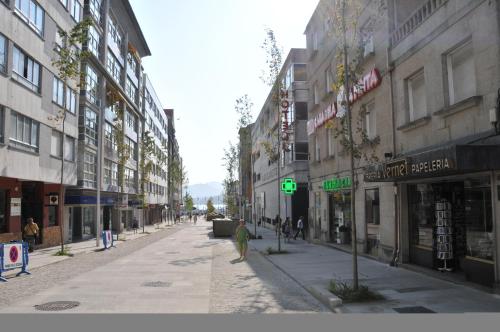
242,237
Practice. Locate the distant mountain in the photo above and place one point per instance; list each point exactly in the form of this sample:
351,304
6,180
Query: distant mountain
201,192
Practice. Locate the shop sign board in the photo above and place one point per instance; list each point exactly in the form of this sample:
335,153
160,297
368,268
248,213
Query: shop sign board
369,82
286,127
15,207
409,167
337,184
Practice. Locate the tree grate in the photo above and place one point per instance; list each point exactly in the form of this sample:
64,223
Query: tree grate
414,310
157,284
57,306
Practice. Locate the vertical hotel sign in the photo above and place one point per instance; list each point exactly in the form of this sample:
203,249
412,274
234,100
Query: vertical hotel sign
286,127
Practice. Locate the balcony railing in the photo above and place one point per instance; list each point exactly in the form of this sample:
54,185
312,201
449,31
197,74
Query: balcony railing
415,20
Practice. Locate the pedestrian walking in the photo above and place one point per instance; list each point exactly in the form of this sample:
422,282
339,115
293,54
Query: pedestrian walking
195,218
31,232
300,229
287,229
242,236
277,222
135,225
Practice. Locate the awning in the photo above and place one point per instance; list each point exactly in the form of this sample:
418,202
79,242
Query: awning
457,159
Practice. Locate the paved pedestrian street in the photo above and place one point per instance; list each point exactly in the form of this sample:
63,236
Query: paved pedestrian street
178,270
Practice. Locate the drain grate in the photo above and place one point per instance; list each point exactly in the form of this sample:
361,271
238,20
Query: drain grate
157,284
414,310
57,306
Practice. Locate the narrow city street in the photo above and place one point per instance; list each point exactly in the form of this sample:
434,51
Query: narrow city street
179,270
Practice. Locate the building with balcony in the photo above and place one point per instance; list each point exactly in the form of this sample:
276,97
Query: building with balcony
293,161
155,184
111,113
31,95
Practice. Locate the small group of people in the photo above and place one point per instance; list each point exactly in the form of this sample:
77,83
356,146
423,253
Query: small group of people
287,228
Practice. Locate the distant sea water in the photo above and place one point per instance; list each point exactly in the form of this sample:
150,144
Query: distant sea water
204,206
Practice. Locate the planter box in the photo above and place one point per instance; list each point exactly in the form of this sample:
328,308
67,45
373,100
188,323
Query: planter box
224,227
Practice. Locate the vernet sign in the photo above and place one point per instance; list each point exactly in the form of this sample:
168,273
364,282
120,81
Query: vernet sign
369,82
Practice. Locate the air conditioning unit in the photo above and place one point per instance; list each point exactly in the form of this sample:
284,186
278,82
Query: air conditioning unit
54,200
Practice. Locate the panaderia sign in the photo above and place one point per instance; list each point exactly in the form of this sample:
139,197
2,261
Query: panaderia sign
369,82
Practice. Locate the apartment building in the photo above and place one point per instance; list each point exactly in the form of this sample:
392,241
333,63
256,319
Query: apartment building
174,188
330,163
446,78
31,94
428,112
111,94
293,161
156,126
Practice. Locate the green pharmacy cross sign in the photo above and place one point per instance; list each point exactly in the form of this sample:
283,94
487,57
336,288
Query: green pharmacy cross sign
289,186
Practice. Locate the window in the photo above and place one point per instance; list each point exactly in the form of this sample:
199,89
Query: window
317,155
131,90
2,115
113,67
55,144
95,9
64,3
369,123
90,127
58,92
94,40
131,121
31,13
91,85
110,173
26,70
76,11
24,132
69,148
3,211
328,80
114,34
58,40
461,73
132,63
89,170
299,72
300,111
315,94
416,97
132,148
129,178
52,215
3,54
71,100
110,137
372,206
330,137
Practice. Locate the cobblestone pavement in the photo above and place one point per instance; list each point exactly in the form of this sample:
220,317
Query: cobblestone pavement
254,286
46,277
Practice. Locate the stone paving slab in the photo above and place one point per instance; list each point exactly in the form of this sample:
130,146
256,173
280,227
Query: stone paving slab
311,264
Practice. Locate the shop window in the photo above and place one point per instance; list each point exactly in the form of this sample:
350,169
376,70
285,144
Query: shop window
461,73
53,215
417,103
479,219
372,206
421,213
3,211
88,221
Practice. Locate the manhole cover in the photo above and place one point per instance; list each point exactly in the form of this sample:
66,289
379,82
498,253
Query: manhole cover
57,306
157,284
414,310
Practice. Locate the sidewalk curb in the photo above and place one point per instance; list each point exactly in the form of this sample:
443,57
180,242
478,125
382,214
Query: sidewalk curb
331,302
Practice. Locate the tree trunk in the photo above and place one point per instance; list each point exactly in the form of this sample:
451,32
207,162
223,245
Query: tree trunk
351,153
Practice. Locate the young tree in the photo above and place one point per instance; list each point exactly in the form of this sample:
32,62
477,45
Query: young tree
210,206
243,108
231,163
188,201
69,57
147,148
274,62
344,18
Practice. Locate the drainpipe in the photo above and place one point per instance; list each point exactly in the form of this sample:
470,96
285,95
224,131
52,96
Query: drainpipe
397,219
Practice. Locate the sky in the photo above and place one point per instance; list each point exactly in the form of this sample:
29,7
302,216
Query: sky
205,55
